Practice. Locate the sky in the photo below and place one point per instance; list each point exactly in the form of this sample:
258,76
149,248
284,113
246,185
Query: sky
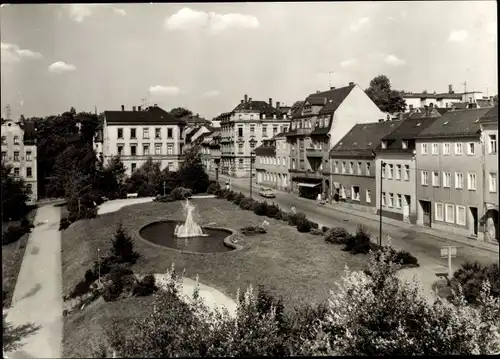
207,56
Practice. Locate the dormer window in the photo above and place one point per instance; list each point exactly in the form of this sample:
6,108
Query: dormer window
404,144
264,116
384,145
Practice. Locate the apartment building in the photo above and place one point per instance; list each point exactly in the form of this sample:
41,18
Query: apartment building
395,166
244,129
271,162
353,165
138,134
317,126
19,151
489,137
421,99
450,182
210,149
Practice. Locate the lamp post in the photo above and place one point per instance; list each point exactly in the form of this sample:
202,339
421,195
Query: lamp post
217,173
99,263
79,192
382,164
251,172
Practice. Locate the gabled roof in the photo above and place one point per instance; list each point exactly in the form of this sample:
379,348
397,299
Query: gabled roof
426,113
258,106
490,116
455,124
364,138
484,103
335,98
268,147
410,128
150,116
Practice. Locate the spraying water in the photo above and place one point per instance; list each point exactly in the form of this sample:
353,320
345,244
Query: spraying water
190,228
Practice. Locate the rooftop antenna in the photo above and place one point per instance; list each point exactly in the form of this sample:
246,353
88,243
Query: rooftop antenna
330,79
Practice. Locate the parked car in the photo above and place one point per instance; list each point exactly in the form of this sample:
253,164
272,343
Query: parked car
267,193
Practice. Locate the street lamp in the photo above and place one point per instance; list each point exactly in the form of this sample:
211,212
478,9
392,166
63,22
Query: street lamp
251,172
382,164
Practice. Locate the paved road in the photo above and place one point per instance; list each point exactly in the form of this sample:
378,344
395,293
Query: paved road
37,296
426,248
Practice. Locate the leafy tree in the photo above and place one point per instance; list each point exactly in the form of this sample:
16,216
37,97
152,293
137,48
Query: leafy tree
192,172
15,194
123,246
180,112
383,96
110,179
146,180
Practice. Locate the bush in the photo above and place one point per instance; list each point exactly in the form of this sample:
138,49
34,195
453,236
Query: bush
180,193
403,258
260,208
123,246
337,235
81,288
304,225
317,232
314,225
213,187
360,242
282,216
229,195
165,198
90,276
146,286
25,223
247,203
64,223
238,198
294,218
13,233
471,276
272,211
252,230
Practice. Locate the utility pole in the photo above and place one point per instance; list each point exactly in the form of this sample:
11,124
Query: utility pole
99,263
382,164
164,188
251,172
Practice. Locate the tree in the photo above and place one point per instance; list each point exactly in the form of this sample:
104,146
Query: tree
109,181
383,96
147,180
15,194
180,112
123,246
192,172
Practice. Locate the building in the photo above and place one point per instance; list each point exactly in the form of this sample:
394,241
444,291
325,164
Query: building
421,99
244,129
195,120
395,167
316,126
353,164
489,136
19,151
450,179
208,141
195,134
272,161
140,134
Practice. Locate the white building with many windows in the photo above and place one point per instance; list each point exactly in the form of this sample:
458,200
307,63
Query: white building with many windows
139,134
19,151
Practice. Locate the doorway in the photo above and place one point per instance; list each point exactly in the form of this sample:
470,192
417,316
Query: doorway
475,220
406,208
427,215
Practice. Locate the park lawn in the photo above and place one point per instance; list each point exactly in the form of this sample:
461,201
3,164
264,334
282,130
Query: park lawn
12,258
299,267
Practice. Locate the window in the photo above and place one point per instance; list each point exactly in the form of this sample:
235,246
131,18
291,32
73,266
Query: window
391,199
133,150
132,134
383,170
336,167
240,147
391,170
120,133
133,166
28,155
439,209
145,133
384,145
4,140
424,148
470,148
446,179
343,167
450,214
407,173
459,180
493,182
252,144
158,149
293,164
4,156
424,178
399,201
170,149
368,196
404,144
29,172
158,133
16,156
383,199
264,131
368,168
471,181
446,148
493,144
435,178
435,149
30,187
16,172
240,163
16,140
145,150
275,131
355,193
461,215
240,131
458,148
398,172
120,149
170,133
170,166
252,129
351,167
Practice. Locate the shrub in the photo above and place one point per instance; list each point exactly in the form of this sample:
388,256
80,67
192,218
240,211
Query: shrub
359,243
247,203
405,258
337,235
180,193
272,211
282,215
90,276
13,234
304,225
314,225
81,288
64,223
123,246
471,276
238,198
260,208
25,223
229,195
213,187
252,230
146,286
111,291
317,232
165,198
294,218
325,229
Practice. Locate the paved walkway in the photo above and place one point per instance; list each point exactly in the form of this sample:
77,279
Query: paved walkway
117,204
37,296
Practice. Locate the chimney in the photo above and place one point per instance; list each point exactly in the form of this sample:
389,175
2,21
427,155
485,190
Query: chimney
351,83
138,108
278,105
156,105
133,108
250,100
450,88
318,91
381,120
270,102
123,107
246,98
431,106
242,101
331,88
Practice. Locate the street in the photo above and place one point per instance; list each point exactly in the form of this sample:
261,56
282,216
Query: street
426,248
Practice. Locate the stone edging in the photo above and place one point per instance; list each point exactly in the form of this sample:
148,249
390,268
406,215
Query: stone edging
227,241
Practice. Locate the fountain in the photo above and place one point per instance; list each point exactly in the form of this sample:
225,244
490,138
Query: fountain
189,228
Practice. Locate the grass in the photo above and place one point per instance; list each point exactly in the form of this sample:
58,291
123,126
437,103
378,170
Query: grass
300,267
12,258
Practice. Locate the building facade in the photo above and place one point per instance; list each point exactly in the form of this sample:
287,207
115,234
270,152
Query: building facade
450,179
422,99
19,151
140,134
317,126
244,129
271,163
352,159
396,168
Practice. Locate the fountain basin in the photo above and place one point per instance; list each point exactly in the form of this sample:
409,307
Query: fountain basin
162,233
